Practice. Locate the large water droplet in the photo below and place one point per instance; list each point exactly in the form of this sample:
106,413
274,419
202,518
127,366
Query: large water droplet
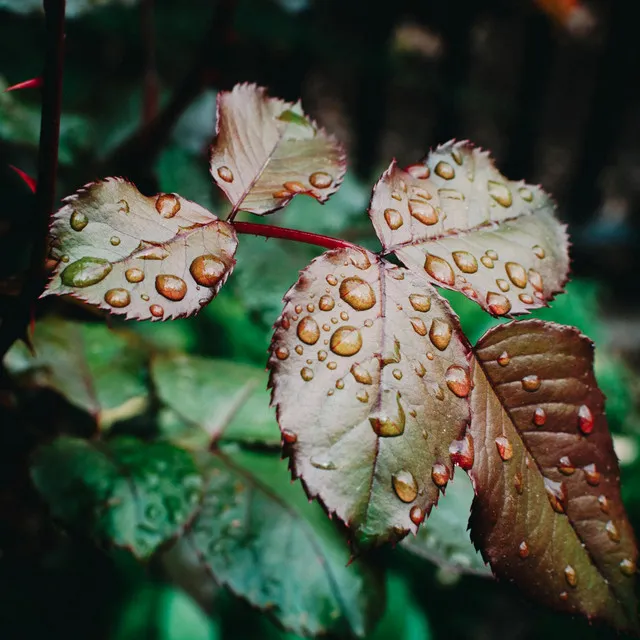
225,173
445,170
504,359
505,448
440,334
388,426
462,452
117,298
523,550
585,419
308,330
498,304
592,475
439,269
357,293
320,180
417,515
440,475
466,262
134,275
346,341
516,274
207,270
156,311
420,302
85,272
612,531
167,205
306,374
282,353
405,486
565,466
570,576
531,383
627,567
457,379
393,218
557,494
171,287
419,326
423,212
500,193
78,221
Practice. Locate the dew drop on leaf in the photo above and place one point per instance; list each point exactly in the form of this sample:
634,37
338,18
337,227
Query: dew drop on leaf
440,334
419,171
498,304
167,205
571,576
457,379
531,383
346,341
225,174
308,330
612,531
539,251
405,486
357,293
504,359
114,240
445,170
525,194
440,475
78,221
466,262
585,419
516,274
207,270
282,353
487,262
85,272
491,254
500,193
523,550
423,212
419,326
417,515
603,503
420,302
565,466
156,311
628,567
592,475
557,494
320,180
332,280
171,287
462,452
306,374
134,275
505,448
117,298
518,482
439,269
326,303
393,218
525,298
289,437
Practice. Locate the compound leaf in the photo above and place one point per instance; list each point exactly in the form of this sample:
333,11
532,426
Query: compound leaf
124,492
144,257
548,513
370,381
267,151
459,221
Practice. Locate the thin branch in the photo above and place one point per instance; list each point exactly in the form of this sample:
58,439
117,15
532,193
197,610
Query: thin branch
150,90
269,231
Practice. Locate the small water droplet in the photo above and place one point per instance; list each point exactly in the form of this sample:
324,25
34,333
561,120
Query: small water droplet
420,302
357,293
397,374
539,417
420,370
156,311
457,156
503,285
591,475
439,269
389,426
430,355
332,280
423,212
167,205
419,326
85,272
538,251
322,355
516,274
306,374
134,275
207,270
627,567
523,550
445,170
525,194
339,383
570,576
565,466
500,193
440,475
491,254
310,308
518,483
405,486
417,515
171,287
557,494
320,180
325,465
585,419
368,322
298,308
503,359
487,262
462,452
505,448
344,315
564,596
457,379
498,304
117,298
299,350
289,437
466,262
346,341
419,171
603,503
332,365
144,296
612,531
114,240
361,375
225,173
525,298
308,330
531,383
362,395
78,221
393,218
440,334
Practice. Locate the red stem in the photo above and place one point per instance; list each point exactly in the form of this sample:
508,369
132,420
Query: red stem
269,231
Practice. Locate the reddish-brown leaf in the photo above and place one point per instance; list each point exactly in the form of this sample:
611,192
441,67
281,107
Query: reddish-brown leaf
370,379
456,219
548,513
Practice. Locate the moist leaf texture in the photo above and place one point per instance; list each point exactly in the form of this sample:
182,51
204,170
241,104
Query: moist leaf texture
455,218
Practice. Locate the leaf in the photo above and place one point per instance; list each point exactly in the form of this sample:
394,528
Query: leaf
124,492
260,537
217,397
97,369
267,151
370,379
444,540
467,228
548,513
147,258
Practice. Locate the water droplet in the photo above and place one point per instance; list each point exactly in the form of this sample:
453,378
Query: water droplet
591,475
525,194
539,252
308,330
440,334
457,379
306,374
536,280
487,262
346,341
505,448
225,174
207,270
612,531
282,353
628,567
289,437
525,298
539,417
360,374
299,350
440,474
326,327
393,218
604,504
298,308
430,355
585,419
310,308
78,221
466,262
564,596
531,383
419,326
490,253
518,483
397,374
462,452
405,486
344,315
420,302
156,311
144,296
557,494
570,576
171,287
326,303
417,515
320,180
439,269
498,304
325,465
523,550
357,293
419,171
565,466
134,275
332,280
516,274
368,322
167,205
423,212
332,365
362,395
339,383
445,170
504,359
396,196
388,426
114,240
418,194
420,370
117,298
500,193
85,272
503,285
457,156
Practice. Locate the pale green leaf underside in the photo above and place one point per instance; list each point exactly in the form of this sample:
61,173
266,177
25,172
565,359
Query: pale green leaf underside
157,257
267,151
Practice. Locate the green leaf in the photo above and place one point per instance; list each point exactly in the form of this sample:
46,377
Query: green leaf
147,258
444,540
99,370
214,399
548,513
267,151
459,221
370,381
260,537
123,492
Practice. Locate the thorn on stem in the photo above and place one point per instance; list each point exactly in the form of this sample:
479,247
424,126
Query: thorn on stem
34,83
28,180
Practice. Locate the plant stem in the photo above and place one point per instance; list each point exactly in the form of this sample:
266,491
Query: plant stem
269,231
16,322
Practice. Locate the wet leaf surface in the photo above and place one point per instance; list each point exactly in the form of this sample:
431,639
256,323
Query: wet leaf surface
156,258
460,222
370,382
123,492
548,513
267,151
